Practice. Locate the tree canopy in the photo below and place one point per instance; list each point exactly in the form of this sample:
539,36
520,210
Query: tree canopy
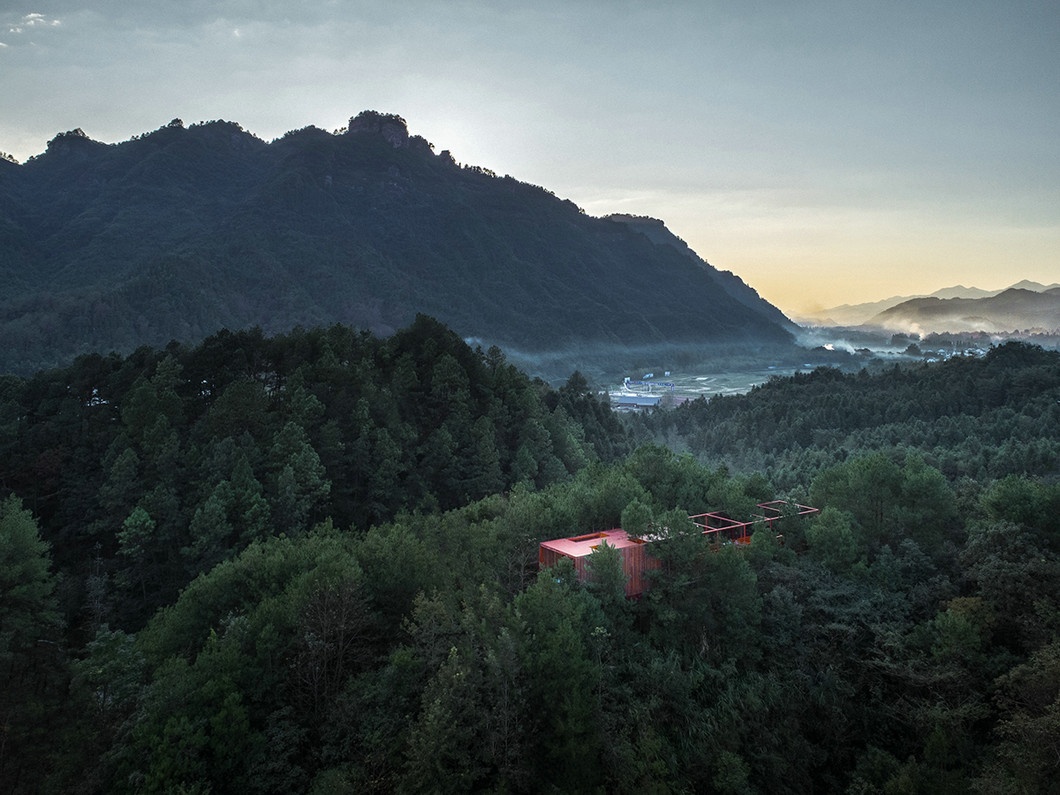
309,563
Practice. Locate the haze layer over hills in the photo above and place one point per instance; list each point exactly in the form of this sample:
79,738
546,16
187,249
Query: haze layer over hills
186,230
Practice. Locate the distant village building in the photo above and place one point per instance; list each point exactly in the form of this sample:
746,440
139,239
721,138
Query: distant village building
627,402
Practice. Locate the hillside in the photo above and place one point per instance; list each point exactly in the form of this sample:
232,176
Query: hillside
972,417
185,230
1010,310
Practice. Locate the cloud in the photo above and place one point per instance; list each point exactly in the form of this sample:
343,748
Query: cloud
33,20
39,20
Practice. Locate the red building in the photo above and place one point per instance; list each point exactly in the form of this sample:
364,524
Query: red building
717,527
578,548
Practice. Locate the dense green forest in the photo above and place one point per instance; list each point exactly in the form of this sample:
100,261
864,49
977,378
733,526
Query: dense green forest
978,418
308,563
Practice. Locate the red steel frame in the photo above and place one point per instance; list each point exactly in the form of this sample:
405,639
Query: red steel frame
721,526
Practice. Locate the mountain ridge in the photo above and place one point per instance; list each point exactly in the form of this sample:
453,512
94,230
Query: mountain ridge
184,230
657,231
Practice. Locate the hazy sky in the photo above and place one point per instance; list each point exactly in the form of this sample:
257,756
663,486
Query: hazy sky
827,152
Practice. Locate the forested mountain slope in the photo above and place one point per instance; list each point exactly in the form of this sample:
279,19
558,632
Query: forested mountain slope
656,231
186,230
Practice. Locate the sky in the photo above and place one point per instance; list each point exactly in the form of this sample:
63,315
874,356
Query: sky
826,152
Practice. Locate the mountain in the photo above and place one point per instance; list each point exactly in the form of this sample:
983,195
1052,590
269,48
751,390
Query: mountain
849,314
182,231
1012,309
857,314
960,291
1037,287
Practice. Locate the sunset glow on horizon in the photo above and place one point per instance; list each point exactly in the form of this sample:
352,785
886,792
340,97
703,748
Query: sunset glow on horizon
827,155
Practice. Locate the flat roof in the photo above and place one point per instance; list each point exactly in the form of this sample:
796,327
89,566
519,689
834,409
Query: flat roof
637,400
583,545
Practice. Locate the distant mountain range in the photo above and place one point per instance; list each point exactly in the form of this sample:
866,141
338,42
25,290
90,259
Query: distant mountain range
1009,311
958,316
183,231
